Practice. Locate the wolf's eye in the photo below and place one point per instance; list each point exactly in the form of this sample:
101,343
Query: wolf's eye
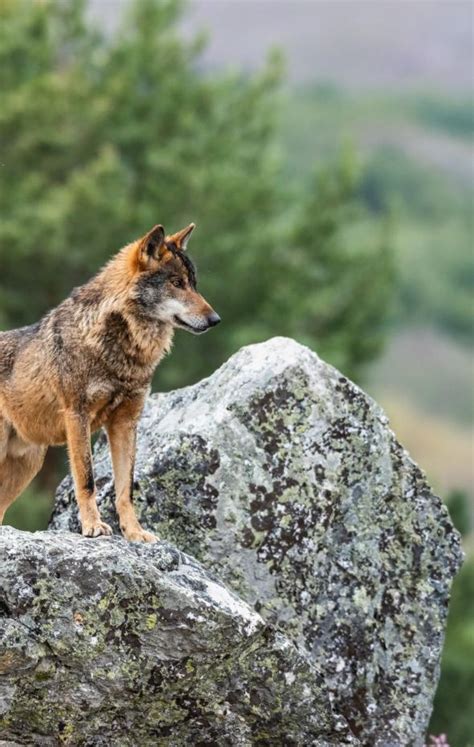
177,282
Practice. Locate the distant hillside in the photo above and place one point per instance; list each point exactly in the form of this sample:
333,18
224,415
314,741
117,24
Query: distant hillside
424,382
360,43
356,43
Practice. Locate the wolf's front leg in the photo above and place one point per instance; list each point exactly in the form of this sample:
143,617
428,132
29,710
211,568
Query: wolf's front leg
79,446
121,431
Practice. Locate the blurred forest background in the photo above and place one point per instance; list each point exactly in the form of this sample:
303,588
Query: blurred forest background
331,184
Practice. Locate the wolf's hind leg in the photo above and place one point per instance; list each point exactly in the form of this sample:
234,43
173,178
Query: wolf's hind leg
79,447
20,463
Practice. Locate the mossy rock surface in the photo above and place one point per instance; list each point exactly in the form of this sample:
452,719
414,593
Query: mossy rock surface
285,481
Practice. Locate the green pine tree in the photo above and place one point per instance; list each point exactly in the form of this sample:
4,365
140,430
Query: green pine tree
107,135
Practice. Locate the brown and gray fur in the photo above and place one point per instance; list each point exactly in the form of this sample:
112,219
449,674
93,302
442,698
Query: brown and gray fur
88,364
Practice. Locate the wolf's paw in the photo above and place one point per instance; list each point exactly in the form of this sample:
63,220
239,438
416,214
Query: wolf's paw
96,529
137,534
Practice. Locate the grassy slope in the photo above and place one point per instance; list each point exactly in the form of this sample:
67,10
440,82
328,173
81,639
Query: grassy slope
424,382
431,127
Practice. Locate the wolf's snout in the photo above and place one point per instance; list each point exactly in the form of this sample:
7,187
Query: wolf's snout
213,319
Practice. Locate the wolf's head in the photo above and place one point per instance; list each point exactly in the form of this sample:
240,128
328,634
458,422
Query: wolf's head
166,285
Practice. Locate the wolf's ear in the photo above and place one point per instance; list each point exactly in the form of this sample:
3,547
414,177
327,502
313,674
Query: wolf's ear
151,247
181,238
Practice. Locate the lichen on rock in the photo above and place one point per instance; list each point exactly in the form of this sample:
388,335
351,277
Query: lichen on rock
114,643
284,480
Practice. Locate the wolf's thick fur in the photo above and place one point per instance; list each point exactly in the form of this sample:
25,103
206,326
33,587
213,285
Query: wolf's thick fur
88,364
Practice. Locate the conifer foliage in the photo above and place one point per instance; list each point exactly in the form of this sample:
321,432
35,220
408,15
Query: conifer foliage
104,134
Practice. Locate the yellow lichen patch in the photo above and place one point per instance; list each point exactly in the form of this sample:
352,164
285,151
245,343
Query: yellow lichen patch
66,734
151,621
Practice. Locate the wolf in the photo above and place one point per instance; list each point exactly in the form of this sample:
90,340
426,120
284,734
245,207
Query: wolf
88,364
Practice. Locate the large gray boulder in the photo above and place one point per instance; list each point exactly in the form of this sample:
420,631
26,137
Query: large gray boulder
114,643
284,479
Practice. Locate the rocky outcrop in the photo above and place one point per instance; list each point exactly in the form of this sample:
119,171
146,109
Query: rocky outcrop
284,480
116,643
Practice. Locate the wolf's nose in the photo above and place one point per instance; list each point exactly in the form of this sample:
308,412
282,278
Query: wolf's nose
213,319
